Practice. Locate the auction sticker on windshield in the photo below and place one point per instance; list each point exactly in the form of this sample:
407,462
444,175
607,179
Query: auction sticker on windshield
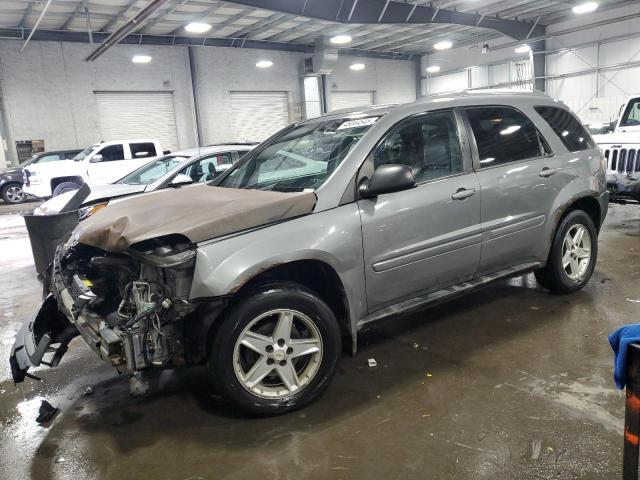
360,122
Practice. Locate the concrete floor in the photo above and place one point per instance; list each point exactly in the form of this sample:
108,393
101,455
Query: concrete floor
509,382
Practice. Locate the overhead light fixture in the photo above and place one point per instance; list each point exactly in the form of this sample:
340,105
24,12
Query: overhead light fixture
357,67
433,69
341,39
141,59
443,45
585,7
523,49
264,64
197,27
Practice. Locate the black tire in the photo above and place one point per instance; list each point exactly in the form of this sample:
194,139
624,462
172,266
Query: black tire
553,276
259,301
12,193
64,187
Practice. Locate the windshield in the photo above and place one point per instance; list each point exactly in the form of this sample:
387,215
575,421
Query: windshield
301,158
631,115
85,153
152,171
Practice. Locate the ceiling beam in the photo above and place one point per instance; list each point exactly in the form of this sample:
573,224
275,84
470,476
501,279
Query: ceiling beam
385,11
182,40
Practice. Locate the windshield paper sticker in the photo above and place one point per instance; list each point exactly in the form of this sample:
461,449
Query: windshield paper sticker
360,122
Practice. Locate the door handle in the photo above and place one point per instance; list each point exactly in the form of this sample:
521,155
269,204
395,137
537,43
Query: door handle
463,193
547,172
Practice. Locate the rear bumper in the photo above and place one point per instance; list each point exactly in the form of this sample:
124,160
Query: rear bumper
623,187
603,200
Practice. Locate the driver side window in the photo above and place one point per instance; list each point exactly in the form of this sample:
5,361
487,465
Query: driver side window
429,144
112,153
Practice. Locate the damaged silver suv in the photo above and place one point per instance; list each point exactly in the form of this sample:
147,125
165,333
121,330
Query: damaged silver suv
329,225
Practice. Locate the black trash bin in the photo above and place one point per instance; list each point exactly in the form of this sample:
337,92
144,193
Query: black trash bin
46,232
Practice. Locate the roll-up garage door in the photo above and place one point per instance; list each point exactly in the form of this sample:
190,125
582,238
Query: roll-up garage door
131,115
340,100
258,115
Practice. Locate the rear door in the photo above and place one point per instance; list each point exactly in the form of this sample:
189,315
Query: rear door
423,239
514,166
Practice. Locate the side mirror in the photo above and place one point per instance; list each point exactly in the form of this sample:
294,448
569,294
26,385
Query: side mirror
181,179
96,159
387,179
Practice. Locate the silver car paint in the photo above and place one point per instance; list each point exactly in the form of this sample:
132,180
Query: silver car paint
509,222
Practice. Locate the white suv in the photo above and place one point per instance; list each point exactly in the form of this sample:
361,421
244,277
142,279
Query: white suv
98,164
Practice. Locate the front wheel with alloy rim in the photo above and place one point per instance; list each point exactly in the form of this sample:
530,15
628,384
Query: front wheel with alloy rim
573,254
276,349
13,193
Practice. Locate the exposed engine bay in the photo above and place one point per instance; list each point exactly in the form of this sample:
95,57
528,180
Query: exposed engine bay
129,307
136,301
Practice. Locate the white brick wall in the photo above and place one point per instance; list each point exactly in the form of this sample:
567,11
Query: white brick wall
49,88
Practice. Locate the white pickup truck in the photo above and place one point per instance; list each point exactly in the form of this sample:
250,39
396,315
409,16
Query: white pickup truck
622,151
98,164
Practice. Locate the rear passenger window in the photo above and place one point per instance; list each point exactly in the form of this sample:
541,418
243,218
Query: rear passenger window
429,144
143,150
571,132
504,135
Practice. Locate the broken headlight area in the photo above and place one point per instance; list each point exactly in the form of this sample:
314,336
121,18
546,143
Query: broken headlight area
129,307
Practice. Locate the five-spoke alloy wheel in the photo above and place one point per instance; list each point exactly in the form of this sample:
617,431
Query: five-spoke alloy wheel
277,364
276,349
573,254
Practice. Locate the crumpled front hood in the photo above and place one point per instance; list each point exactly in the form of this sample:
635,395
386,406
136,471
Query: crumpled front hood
199,212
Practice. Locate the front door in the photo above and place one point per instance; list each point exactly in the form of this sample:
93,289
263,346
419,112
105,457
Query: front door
112,167
423,239
515,166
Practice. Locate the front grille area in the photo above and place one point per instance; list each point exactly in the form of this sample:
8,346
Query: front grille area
623,160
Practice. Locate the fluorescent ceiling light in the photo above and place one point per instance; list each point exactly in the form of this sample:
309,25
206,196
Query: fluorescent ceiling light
433,69
141,59
357,66
585,7
264,64
523,49
197,27
341,39
443,45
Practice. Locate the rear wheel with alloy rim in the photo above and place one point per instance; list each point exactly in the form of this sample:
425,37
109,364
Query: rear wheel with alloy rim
276,349
13,193
573,254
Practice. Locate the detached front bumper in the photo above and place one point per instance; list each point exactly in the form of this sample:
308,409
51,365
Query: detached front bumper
57,320
623,187
46,332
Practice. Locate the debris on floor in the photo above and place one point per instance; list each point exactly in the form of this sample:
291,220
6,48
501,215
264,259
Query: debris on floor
46,412
87,391
372,362
60,460
632,300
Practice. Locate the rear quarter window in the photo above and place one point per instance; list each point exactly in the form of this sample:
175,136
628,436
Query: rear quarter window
570,131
